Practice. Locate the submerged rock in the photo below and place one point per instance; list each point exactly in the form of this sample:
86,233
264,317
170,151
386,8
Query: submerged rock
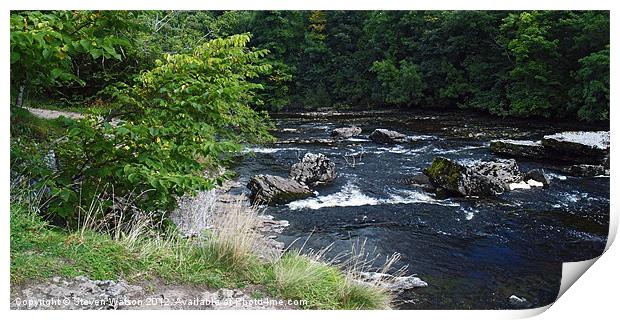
315,169
538,175
590,147
483,178
518,148
420,180
587,170
392,283
387,136
346,132
269,189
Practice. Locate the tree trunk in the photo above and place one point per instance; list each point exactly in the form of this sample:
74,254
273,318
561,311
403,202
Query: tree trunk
20,97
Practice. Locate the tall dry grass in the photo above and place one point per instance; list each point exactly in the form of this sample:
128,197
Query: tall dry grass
234,237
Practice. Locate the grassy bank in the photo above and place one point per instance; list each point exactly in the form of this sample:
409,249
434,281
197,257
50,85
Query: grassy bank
112,244
221,259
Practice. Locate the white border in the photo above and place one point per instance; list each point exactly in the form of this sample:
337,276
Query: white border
595,295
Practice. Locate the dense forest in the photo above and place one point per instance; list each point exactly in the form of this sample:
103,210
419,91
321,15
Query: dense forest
537,63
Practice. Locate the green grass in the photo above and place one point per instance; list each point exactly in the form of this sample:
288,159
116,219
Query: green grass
40,251
322,285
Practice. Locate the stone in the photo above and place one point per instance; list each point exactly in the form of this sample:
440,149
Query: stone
446,175
587,170
387,136
392,283
346,132
580,147
479,179
518,148
269,189
420,180
538,175
226,293
315,169
518,301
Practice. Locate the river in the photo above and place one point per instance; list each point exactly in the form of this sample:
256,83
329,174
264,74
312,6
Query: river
473,252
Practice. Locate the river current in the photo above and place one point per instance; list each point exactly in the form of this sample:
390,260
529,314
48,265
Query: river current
473,252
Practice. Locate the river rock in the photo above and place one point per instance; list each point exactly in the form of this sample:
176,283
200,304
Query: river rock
387,136
346,132
269,189
518,301
482,178
537,175
518,148
418,179
315,169
392,283
587,147
586,170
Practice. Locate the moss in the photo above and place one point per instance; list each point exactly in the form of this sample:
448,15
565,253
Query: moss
445,172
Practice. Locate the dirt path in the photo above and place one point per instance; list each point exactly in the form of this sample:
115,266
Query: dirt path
81,293
53,114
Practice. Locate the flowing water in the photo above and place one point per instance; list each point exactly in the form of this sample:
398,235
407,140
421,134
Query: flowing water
474,252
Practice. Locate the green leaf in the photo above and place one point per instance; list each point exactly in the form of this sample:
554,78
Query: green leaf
96,53
15,56
86,45
55,73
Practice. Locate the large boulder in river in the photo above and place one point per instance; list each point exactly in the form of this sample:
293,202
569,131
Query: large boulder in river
346,132
518,148
268,189
590,147
481,179
315,169
387,136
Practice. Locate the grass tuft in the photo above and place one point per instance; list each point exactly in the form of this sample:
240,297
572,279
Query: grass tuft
225,257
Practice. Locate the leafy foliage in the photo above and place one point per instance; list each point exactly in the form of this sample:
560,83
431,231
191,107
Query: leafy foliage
591,95
507,63
49,48
188,114
400,85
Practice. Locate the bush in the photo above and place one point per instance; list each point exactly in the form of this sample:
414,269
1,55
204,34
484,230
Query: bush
188,114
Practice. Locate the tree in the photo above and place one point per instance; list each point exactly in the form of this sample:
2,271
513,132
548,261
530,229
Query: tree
591,94
44,45
189,113
401,85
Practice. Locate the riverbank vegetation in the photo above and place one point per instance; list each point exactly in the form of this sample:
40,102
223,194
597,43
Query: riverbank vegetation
169,95
139,251
526,64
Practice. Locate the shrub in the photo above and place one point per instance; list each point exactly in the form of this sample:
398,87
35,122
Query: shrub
190,113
